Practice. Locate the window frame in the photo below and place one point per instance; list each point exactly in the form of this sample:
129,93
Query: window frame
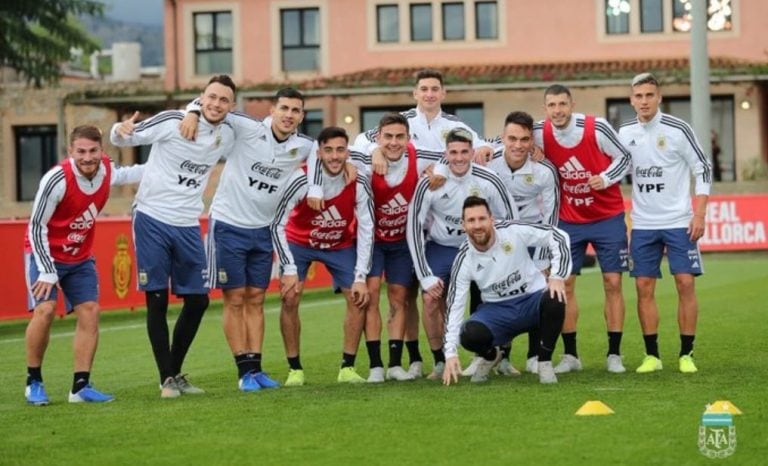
301,45
48,156
478,4
411,8
214,39
463,21
379,8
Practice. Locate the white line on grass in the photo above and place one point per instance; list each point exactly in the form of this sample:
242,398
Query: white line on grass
269,310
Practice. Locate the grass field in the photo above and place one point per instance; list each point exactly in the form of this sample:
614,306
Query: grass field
507,420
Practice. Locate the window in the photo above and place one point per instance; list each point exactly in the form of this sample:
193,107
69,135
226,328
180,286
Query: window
213,42
387,23
718,15
617,16
421,22
486,20
312,123
723,164
471,114
300,39
370,116
651,16
35,155
453,21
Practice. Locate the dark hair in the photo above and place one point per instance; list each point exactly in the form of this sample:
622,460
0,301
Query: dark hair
224,80
394,119
331,132
557,89
429,73
89,132
474,201
458,134
645,78
520,118
289,93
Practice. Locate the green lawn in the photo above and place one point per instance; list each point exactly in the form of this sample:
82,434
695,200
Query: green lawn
506,421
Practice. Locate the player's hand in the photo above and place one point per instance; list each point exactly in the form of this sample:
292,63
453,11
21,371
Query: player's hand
538,154
42,290
289,284
379,162
188,126
452,370
350,172
436,290
556,288
696,227
435,181
483,155
360,295
596,182
316,203
126,128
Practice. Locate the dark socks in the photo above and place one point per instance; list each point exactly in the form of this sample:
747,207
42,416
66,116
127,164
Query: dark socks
438,355
374,353
506,350
395,353
34,373
414,355
686,344
651,345
247,362
186,328
348,360
80,380
534,337
614,343
551,316
157,329
295,363
569,342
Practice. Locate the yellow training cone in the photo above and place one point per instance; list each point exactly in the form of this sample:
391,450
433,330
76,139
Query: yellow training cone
594,408
723,406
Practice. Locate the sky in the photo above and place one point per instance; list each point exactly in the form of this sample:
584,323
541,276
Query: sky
135,11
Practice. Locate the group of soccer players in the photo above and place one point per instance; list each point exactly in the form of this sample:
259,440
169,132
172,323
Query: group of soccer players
419,201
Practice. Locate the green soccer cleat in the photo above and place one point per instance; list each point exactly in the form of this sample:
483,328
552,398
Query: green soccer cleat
348,375
295,378
650,364
687,365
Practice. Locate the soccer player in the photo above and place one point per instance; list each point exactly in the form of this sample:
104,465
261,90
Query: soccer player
534,187
439,211
59,255
590,162
340,237
665,153
254,180
392,194
516,297
166,226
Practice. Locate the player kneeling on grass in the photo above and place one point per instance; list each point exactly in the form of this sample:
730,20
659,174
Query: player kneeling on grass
58,255
340,237
516,297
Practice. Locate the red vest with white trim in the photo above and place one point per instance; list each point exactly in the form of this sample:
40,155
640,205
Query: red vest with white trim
392,202
335,227
575,165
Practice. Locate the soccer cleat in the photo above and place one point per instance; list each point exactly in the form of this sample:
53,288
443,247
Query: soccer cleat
35,394
531,365
546,372
568,363
295,378
649,364
248,383
483,369
472,367
437,371
169,389
88,394
187,388
399,374
264,380
349,375
416,369
506,368
687,365
376,375
614,364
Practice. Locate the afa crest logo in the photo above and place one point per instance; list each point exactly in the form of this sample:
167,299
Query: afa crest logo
717,435
506,246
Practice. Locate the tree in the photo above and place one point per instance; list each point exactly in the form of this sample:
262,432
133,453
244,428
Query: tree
36,35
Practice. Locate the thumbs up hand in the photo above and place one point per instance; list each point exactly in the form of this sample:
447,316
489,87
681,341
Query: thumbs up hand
126,128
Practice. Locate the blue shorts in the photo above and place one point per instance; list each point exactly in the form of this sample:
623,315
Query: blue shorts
238,257
608,237
648,247
393,259
440,259
339,262
166,252
509,318
79,282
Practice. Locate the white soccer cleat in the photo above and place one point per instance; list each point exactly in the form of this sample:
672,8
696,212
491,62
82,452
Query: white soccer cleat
376,375
546,372
568,363
416,369
399,374
437,372
483,369
614,364
506,368
531,365
472,367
